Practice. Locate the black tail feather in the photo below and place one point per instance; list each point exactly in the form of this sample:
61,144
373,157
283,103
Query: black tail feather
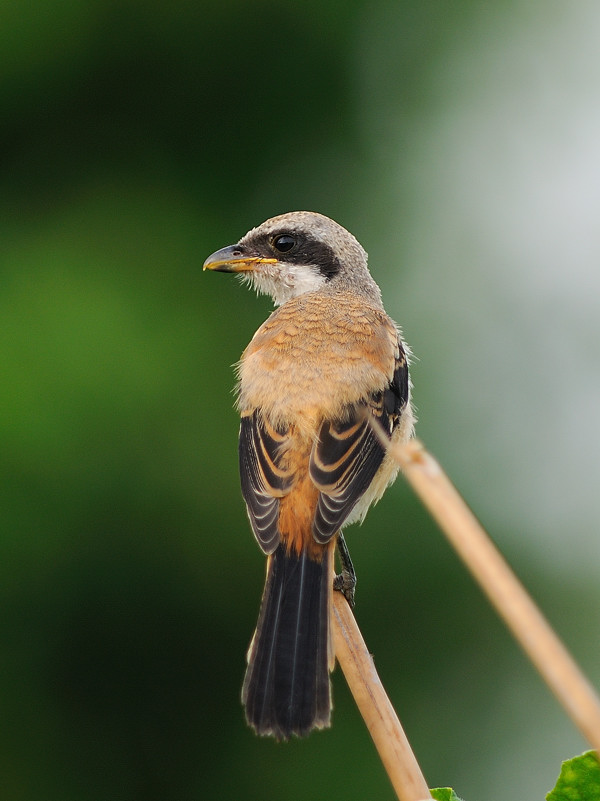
286,690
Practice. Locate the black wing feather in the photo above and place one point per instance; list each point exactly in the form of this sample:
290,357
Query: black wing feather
263,479
342,485
395,397
347,454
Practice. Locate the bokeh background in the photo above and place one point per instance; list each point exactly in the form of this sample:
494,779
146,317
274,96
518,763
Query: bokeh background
460,142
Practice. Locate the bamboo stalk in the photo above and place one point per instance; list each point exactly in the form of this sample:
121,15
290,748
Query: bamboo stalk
500,584
375,706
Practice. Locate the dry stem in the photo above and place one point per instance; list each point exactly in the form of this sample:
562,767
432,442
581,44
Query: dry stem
374,705
503,589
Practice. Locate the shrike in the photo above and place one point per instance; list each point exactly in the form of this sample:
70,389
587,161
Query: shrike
325,360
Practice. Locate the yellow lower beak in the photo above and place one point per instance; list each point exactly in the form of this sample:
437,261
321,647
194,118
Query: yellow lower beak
232,260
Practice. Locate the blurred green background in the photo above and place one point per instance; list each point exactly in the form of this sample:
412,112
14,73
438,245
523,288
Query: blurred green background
460,142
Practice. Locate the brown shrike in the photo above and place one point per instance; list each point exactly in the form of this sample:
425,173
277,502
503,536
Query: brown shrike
325,360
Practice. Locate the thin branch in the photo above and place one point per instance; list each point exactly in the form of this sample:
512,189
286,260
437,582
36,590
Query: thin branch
374,705
503,589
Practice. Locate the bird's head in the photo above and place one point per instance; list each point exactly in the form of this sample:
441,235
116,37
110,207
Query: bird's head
294,253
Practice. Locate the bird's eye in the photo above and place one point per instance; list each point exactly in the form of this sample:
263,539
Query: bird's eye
284,243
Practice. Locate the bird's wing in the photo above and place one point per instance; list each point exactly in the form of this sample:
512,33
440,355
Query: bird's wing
264,480
347,454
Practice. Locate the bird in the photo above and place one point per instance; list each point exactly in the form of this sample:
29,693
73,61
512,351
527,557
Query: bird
325,363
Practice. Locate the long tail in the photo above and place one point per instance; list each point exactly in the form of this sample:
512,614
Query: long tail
286,689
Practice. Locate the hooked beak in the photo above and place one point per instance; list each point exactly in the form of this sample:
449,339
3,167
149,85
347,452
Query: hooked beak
232,259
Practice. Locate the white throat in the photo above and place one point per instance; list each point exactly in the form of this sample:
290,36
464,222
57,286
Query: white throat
284,281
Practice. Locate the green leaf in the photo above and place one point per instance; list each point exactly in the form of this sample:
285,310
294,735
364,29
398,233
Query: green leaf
579,779
444,794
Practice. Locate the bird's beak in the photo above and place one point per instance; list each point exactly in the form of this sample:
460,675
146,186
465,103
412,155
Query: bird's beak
233,259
